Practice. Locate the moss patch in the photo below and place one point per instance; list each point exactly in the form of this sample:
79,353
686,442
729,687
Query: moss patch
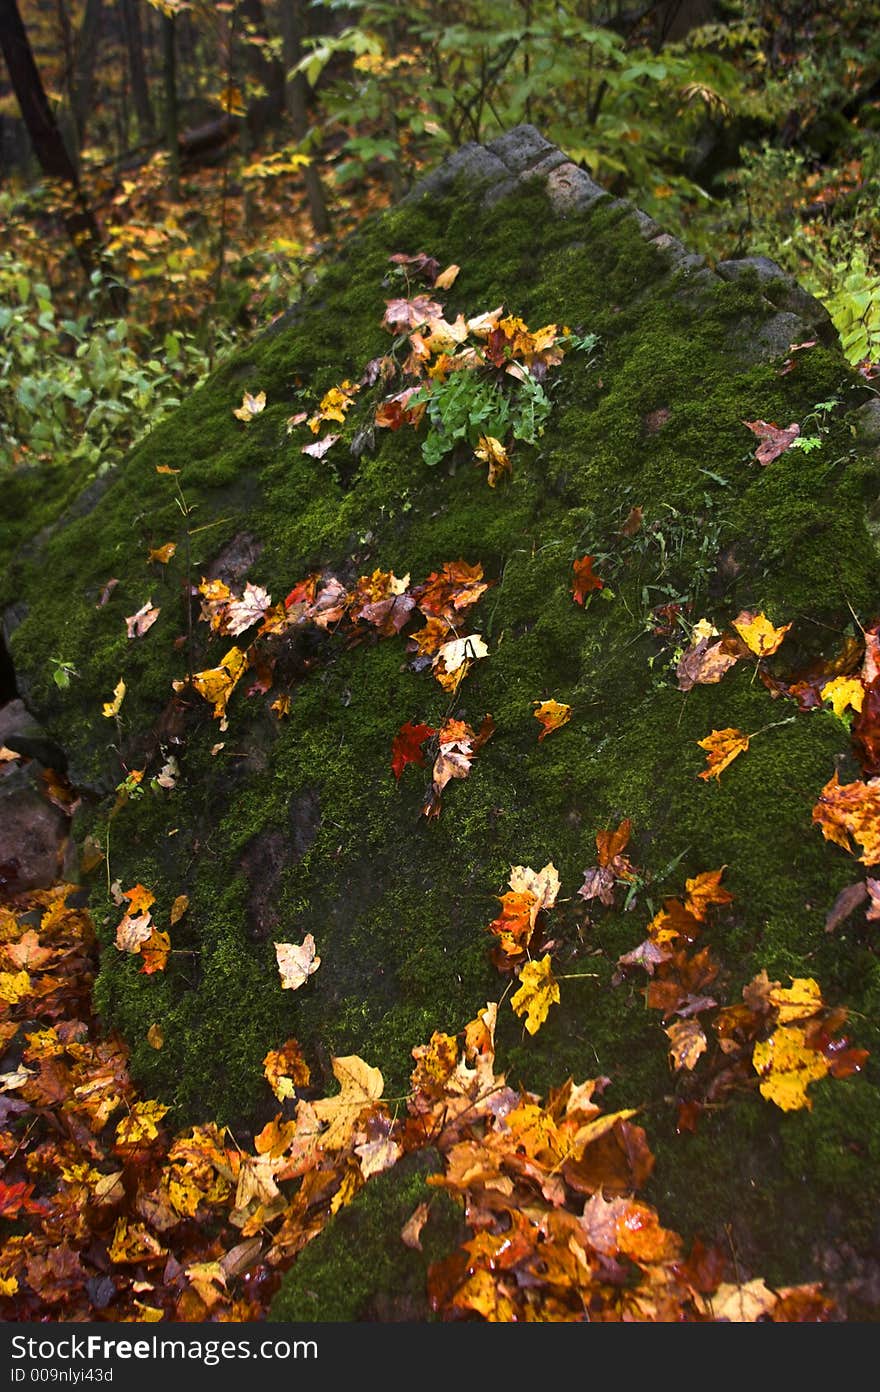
359,1268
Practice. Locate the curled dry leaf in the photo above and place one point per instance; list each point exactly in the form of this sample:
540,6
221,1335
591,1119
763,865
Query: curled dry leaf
318,448
410,1233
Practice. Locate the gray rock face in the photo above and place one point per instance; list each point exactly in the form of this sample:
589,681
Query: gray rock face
34,843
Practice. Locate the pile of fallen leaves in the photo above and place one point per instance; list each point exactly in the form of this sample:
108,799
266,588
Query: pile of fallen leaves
109,1216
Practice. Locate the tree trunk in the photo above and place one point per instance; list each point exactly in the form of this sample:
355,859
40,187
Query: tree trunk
140,92
296,93
49,148
169,74
85,62
267,72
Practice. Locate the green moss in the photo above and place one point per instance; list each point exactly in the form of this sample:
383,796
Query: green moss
398,904
359,1268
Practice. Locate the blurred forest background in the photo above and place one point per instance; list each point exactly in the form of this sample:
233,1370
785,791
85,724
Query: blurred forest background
172,172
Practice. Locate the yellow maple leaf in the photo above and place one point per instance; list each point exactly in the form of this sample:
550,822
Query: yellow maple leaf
551,715
250,406
842,692
723,746
758,633
797,1002
360,1087
163,554
787,1066
14,986
538,990
217,684
111,708
142,1123
491,451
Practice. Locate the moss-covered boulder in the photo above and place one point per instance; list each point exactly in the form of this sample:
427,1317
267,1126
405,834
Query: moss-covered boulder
282,825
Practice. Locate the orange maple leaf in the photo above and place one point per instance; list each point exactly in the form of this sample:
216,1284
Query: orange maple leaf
584,579
723,746
551,715
758,633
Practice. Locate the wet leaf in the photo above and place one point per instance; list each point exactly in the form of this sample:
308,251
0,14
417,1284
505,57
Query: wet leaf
296,962
551,715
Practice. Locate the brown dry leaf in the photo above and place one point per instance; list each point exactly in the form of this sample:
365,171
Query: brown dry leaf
360,1088
491,451
774,440
178,909
285,1070
686,1043
296,962
410,1233
847,900
704,663
722,746
551,715
136,625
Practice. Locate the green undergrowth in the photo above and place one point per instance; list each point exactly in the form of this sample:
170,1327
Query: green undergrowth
398,904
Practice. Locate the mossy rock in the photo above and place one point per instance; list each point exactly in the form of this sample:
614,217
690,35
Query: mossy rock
359,1268
298,825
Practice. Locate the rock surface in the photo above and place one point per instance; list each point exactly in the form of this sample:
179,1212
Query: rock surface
281,824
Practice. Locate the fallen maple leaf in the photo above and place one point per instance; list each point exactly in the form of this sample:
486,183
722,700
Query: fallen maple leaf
538,990
457,744
774,440
723,746
786,1066
491,451
758,633
847,810
216,684
163,554
705,663
111,708
285,1070
250,406
296,962
551,715
686,1043
406,747
584,579
454,659
446,278
704,890
843,693
410,1233
319,448
137,624
360,1087
245,612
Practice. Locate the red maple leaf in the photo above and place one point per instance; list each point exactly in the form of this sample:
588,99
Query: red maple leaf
584,579
407,746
